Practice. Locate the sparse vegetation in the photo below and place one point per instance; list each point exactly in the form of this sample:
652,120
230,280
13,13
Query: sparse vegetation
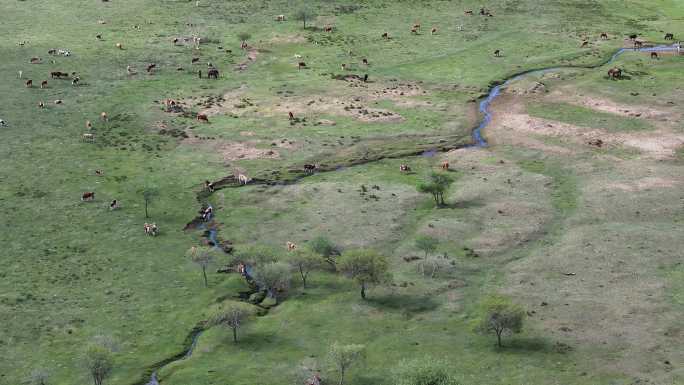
427,244
501,317
437,185
304,14
343,357
366,267
274,277
99,362
303,262
232,316
203,257
573,209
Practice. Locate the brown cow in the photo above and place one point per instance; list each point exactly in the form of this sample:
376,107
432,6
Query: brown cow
88,196
364,61
416,26
212,73
309,168
445,165
328,28
151,66
497,53
35,60
669,36
29,83
615,73
604,36
386,36
203,118
468,12
584,44
195,60
638,44
43,84
290,115
654,55
414,30
301,65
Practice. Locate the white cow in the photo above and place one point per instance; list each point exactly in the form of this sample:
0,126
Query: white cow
243,179
3,123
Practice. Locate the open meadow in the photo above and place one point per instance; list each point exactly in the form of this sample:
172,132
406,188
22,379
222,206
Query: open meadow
324,119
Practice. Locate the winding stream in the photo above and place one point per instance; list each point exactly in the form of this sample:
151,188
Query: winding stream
478,141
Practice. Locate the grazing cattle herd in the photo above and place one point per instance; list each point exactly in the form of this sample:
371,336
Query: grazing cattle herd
213,73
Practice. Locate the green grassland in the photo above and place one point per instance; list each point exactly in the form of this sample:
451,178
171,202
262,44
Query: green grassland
73,270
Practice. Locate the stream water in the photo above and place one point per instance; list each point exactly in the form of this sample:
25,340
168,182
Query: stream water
478,141
494,92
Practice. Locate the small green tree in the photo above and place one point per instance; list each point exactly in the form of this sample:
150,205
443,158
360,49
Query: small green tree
366,267
325,248
427,244
274,277
232,316
99,362
500,316
202,256
244,36
304,261
149,193
342,357
437,185
423,371
304,14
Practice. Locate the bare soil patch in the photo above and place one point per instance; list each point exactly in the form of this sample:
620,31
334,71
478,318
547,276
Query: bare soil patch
337,106
596,103
511,122
232,151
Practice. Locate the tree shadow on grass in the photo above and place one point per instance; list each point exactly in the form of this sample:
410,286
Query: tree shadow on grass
469,204
408,304
525,345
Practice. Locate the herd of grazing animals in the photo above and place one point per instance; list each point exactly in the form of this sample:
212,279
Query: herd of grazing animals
151,228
